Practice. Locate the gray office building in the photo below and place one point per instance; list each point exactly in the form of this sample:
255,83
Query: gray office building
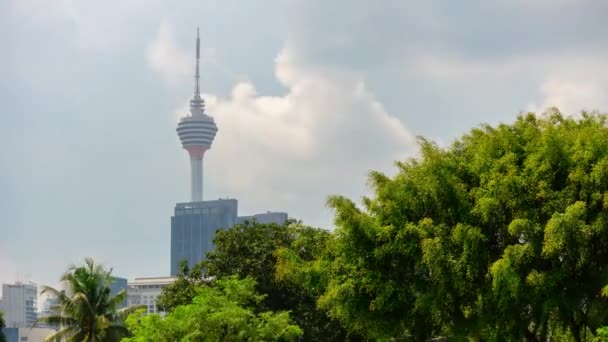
193,227
195,223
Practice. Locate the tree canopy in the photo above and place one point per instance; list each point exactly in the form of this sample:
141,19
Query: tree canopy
251,250
501,236
223,311
183,290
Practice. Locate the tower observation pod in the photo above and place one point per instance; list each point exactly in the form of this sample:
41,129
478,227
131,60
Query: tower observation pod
196,132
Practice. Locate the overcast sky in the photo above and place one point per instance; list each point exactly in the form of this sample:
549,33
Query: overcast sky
308,95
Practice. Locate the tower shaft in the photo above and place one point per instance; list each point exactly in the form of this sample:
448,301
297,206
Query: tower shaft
196,169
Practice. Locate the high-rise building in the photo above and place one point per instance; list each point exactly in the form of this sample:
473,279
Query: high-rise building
143,291
193,227
19,304
194,224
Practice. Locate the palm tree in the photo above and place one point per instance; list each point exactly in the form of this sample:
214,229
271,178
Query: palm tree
86,311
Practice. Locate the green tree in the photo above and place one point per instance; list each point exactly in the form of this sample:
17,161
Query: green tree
248,250
86,311
501,236
183,290
251,249
2,326
221,312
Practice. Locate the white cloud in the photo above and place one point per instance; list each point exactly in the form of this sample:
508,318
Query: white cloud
289,152
573,83
570,82
571,96
165,57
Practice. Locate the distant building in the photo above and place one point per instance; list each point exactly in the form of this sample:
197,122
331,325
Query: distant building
19,304
47,306
143,291
193,227
195,223
119,284
47,310
27,334
265,218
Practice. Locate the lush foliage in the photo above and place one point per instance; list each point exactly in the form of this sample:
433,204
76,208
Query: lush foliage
183,290
251,249
224,311
502,236
86,311
248,250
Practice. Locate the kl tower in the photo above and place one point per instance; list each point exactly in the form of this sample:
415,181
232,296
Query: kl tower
194,223
196,132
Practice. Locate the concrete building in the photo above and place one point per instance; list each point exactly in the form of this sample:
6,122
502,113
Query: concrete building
143,291
194,224
19,304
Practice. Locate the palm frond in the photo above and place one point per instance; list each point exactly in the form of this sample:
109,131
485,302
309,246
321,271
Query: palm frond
63,334
53,291
122,314
56,320
117,300
83,300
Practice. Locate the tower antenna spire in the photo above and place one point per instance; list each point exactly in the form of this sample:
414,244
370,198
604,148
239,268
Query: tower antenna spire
197,104
197,91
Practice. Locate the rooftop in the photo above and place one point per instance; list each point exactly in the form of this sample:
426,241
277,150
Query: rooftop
205,204
152,281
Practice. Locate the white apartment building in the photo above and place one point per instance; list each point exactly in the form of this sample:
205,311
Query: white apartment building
19,304
143,291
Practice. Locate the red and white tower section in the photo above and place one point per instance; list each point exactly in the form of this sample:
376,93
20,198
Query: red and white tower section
196,132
